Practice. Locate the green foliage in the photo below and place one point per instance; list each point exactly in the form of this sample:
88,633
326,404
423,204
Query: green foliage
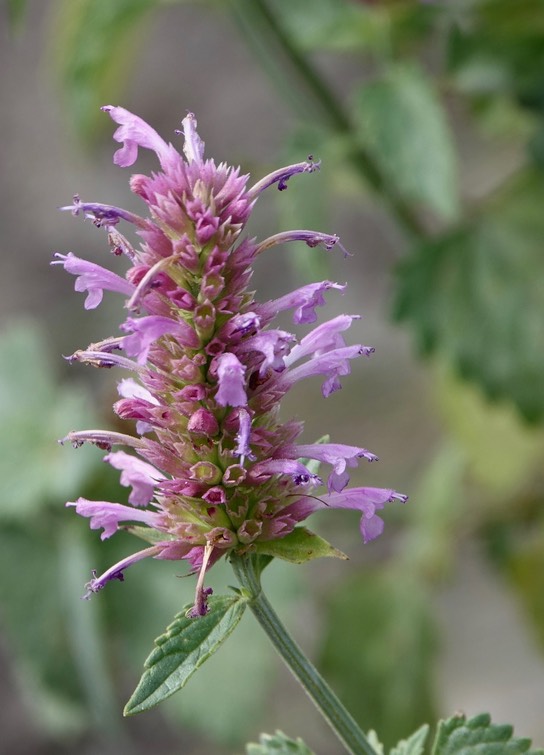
402,123
413,745
278,744
186,644
377,652
94,49
477,298
501,451
457,736
299,546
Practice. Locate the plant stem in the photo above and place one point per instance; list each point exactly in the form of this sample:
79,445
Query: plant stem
343,724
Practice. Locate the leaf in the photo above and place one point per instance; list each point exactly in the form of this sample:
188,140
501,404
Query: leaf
502,452
186,644
278,744
299,546
95,41
377,652
414,745
478,734
403,125
477,298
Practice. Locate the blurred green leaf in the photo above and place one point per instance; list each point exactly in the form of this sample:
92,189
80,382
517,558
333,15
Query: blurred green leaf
16,12
186,645
278,744
402,123
298,546
335,24
457,736
501,451
377,652
477,298
35,411
414,745
95,44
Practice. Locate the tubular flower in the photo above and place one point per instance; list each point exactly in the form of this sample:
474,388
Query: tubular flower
211,468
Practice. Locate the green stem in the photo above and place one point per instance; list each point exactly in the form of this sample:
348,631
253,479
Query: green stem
343,724
272,44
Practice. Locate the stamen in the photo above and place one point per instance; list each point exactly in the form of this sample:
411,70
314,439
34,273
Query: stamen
134,301
200,607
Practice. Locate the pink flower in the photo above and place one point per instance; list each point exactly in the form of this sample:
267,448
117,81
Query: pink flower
212,468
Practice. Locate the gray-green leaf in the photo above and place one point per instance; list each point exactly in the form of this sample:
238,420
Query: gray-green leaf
402,123
457,736
182,649
278,744
299,546
414,744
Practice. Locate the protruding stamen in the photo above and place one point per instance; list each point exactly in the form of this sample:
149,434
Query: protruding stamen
282,175
103,439
134,301
310,238
200,607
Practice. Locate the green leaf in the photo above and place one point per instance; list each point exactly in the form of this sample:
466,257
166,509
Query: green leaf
95,42
278,744
502,452
378,649
477,298
414,745
184,647
457,736
299,546
403,125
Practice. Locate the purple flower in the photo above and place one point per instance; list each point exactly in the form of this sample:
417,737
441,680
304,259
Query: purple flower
211,467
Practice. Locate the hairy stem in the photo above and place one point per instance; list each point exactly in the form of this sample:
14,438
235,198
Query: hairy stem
247,570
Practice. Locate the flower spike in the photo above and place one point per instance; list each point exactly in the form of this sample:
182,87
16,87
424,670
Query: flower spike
210,468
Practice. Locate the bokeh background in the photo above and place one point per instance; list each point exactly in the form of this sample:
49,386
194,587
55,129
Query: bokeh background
429,121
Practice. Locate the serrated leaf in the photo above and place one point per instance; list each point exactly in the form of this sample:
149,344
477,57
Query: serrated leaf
457,736
278,744
94,45
401,122
184,647
299,546
477,298
413,745
375,742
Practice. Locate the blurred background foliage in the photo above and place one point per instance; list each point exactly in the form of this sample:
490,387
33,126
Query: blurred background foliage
429,120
